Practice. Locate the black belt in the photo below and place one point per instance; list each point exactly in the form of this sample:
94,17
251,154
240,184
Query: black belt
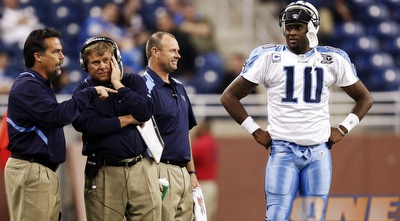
122,163
52,166
174,163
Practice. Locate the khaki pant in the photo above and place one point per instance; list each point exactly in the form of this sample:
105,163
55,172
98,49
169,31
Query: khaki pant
178,202
33,191
130,192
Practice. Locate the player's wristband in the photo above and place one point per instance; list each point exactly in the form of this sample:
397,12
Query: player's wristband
249,125
341,131
350,122
192,171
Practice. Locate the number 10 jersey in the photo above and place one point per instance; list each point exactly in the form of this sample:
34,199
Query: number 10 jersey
298,89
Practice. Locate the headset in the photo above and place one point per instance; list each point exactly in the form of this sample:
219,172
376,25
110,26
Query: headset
92,40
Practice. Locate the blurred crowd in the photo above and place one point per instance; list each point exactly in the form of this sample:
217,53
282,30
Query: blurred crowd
368,30
128,22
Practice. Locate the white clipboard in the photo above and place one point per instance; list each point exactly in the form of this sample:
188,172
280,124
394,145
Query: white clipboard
199,209
152,137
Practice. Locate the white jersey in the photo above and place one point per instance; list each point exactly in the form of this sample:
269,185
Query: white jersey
298,89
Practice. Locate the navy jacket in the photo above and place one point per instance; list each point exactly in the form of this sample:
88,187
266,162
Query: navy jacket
100,126
35,119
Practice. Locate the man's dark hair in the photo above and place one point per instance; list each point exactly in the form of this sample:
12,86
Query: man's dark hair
35,43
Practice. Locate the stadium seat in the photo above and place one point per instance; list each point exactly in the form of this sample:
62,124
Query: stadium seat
40,8
387,79
392,45
372,13
395,12
373,62
384,29
208,73
381,60
70,32
148,12
88,7
361,45
360,3
347,30
389,3
65,12
397,60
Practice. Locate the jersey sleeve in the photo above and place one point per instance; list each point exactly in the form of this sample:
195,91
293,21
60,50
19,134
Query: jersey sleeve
346,72
256,64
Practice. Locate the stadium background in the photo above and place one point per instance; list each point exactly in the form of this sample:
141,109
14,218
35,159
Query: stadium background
365,163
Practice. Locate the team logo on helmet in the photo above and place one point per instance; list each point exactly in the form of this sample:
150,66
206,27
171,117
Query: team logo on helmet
300,11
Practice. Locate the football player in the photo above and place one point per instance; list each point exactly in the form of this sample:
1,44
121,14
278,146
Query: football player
298,77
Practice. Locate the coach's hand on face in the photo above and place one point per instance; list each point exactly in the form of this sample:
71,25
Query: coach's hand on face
102,92
116,74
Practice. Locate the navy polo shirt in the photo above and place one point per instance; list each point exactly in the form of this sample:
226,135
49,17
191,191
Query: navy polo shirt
173,114
101,130
35,119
